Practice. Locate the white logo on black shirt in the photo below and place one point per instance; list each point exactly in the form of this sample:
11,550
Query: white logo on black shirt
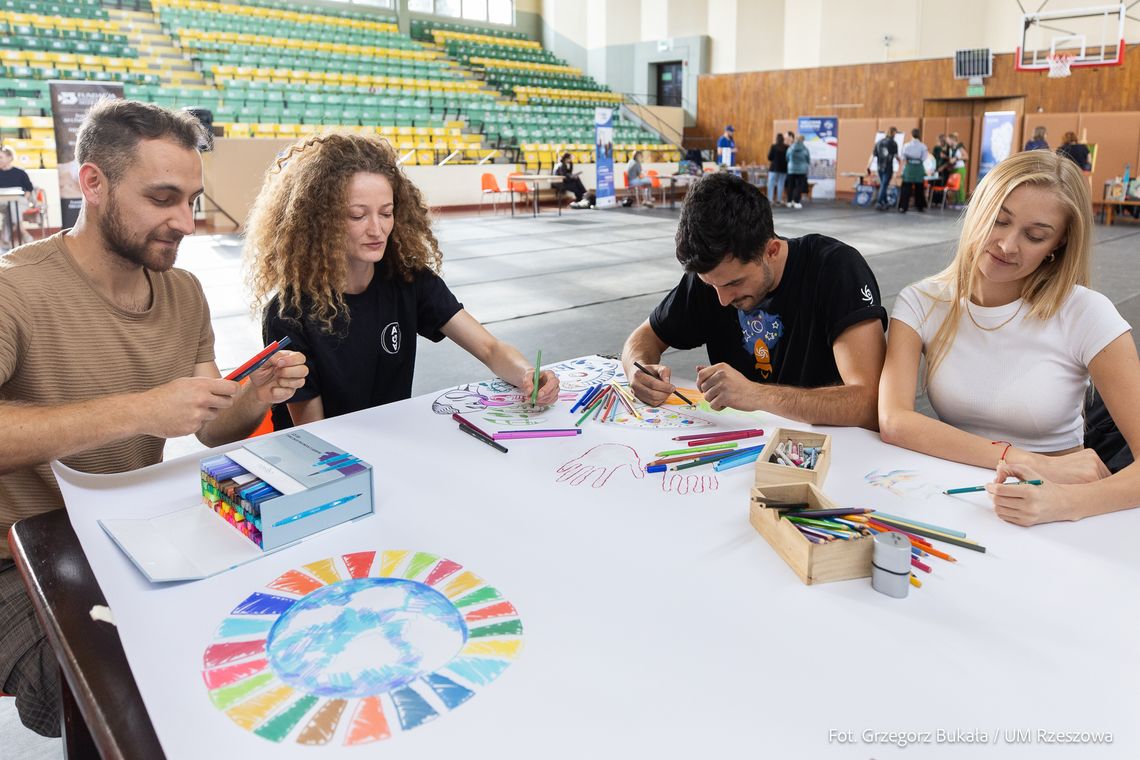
390,338
866,291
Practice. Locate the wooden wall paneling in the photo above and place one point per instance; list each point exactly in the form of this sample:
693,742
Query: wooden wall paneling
752,100
784,126
932,126
1117,140
856,141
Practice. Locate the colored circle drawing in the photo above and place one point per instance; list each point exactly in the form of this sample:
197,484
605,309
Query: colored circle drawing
353,649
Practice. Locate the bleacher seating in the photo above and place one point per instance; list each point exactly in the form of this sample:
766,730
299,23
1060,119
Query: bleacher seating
270,69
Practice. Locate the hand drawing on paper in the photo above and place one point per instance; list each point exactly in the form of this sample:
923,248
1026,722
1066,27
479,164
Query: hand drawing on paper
596,466
684,483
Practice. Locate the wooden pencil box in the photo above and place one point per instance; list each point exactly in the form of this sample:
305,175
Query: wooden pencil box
813,563
768,471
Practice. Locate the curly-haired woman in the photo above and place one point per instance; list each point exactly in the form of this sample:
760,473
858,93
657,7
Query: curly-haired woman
344,262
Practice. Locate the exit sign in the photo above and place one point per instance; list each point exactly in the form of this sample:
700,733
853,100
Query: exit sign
975,90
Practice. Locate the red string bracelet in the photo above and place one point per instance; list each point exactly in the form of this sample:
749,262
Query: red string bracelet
1004,451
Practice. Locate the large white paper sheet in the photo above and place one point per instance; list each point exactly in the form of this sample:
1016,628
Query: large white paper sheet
655,621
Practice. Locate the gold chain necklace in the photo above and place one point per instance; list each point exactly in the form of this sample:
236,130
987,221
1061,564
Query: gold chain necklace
970,314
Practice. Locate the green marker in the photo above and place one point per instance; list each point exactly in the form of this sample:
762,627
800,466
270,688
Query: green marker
537,371
972,489
696,449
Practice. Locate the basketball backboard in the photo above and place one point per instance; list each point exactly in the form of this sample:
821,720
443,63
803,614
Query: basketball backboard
1088,36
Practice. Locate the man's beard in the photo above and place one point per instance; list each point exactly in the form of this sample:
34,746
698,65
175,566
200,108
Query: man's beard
118,241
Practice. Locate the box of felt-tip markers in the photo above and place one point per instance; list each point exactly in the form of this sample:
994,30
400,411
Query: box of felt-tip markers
279,489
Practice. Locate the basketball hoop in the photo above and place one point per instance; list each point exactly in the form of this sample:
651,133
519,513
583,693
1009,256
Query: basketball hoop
1060,65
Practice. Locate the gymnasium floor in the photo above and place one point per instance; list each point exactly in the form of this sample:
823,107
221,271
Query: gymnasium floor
578,283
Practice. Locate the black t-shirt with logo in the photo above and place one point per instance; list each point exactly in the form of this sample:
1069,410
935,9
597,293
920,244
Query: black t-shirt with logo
370,361
826,288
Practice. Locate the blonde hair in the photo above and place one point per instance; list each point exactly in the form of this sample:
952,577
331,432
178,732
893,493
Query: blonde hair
1046,288
296,234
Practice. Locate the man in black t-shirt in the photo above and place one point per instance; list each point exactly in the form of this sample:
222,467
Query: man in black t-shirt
793,327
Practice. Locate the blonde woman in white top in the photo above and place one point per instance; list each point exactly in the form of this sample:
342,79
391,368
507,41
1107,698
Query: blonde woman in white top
1010,361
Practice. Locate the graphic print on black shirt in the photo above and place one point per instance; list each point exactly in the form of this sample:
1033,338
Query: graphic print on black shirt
370,360
761,332
826,287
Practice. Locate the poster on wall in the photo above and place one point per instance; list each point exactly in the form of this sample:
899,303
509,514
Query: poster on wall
997,139
70,102
604,163
821,136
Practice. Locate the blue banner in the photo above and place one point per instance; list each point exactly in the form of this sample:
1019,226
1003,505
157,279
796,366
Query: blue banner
604,152
821,137
997,139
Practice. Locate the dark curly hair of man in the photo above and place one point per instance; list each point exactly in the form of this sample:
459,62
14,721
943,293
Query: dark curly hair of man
722,216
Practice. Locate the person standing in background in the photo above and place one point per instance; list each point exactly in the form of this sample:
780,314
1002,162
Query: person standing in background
799,159
726,148
886,149
913,173
777,170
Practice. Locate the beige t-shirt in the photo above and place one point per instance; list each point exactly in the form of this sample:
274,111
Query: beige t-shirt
61,342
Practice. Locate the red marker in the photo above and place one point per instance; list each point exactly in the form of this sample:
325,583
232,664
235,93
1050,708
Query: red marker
260,358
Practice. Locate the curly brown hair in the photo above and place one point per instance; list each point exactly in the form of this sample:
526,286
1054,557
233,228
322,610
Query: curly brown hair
295,236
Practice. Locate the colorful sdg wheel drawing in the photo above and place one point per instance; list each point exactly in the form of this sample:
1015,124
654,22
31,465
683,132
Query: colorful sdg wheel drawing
354,649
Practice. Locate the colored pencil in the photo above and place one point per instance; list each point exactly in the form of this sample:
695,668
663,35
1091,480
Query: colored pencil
781,505
631,401
915,581
707,459
711,447
918,524
696,436
654,375
680,458
830,512
973,489
598,397
464,421
736,461
477,436
920,565
257,360
963,542
537,374
512,435
722,438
